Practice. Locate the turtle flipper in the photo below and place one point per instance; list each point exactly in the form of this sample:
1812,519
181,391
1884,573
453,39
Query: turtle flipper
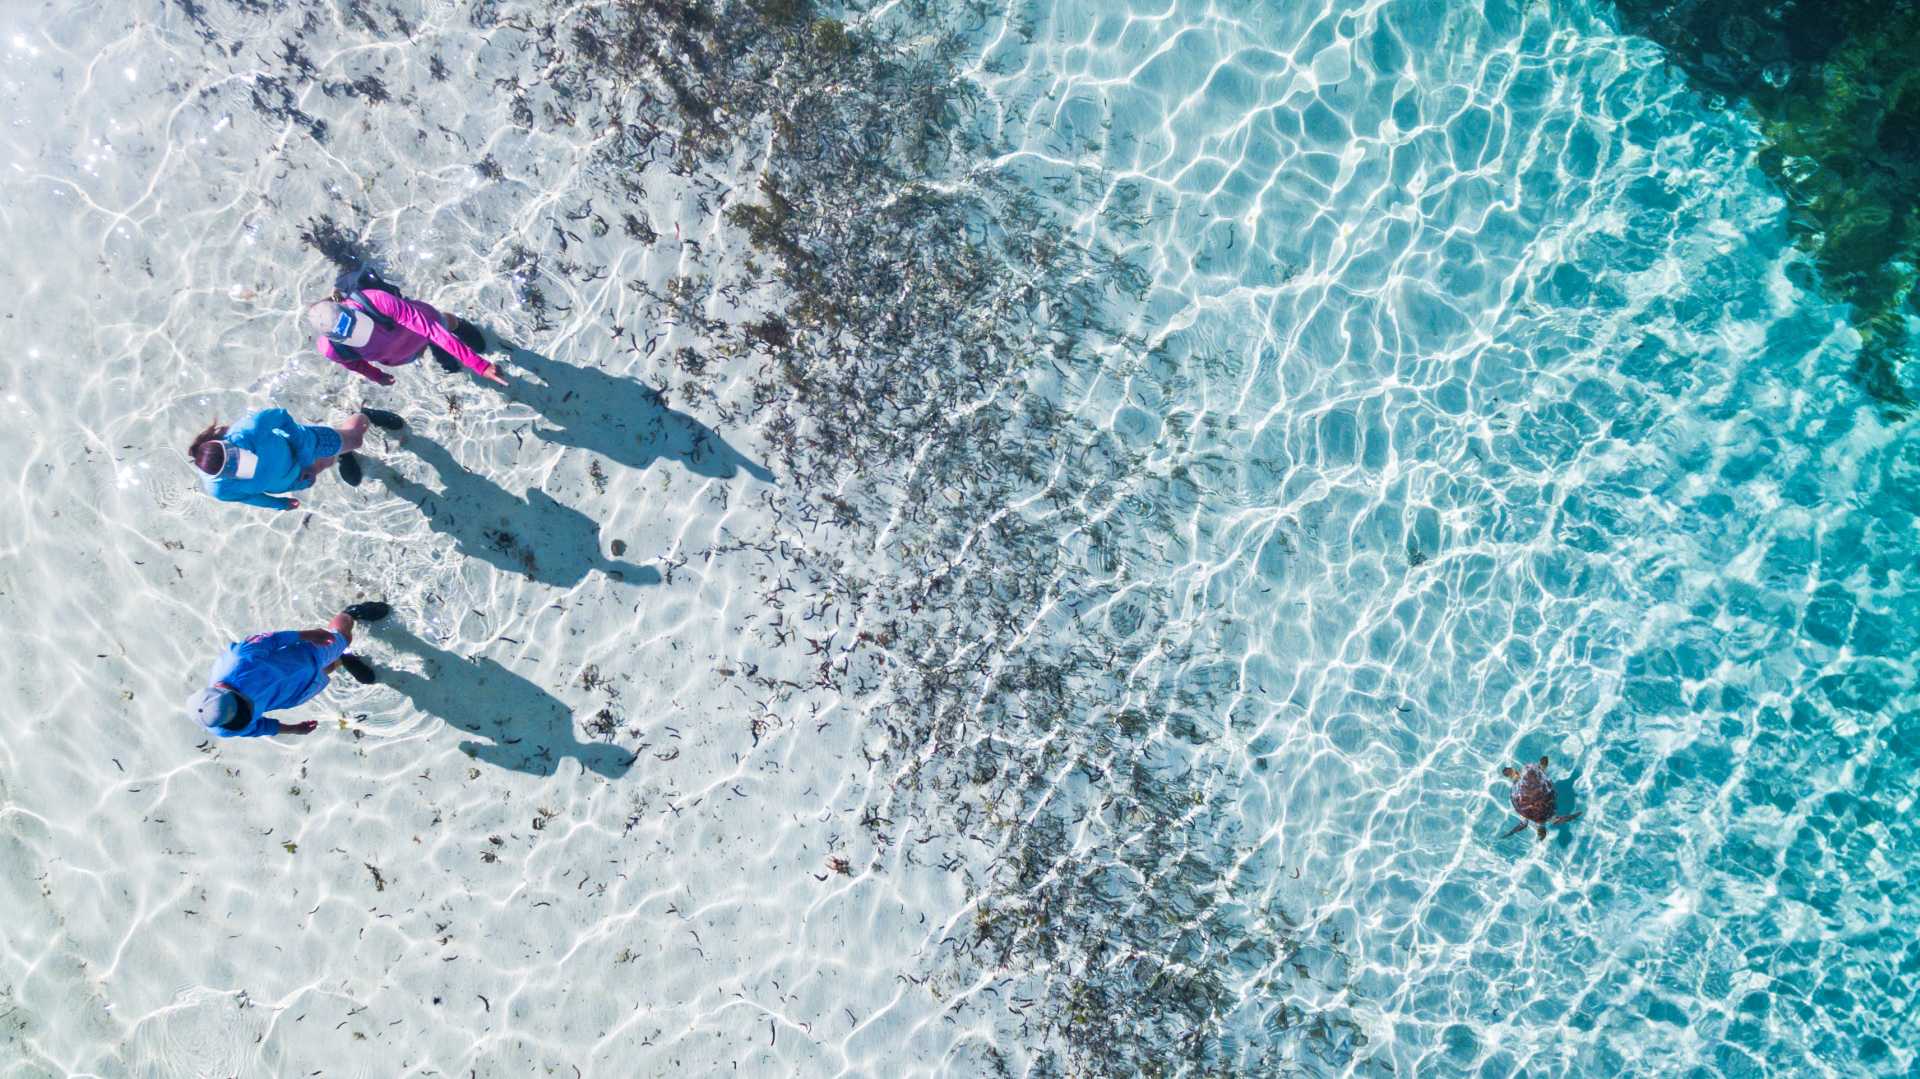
1521,827
1565,817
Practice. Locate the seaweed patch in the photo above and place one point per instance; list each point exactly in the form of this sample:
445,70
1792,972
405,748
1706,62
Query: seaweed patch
915,305
1836,93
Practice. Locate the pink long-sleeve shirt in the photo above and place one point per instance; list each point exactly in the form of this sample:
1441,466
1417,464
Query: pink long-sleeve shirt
416,325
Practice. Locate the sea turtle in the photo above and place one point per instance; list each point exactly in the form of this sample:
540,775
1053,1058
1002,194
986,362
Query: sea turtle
1533,799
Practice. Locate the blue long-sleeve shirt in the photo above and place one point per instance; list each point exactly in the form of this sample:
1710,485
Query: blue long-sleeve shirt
285,449
274,671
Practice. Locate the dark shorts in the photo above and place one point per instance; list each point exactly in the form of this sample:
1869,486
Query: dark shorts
326,440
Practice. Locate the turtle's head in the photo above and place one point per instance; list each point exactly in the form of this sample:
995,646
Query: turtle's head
1509,772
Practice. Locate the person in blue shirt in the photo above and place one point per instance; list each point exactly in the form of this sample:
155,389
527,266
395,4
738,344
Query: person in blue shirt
267,455
269,672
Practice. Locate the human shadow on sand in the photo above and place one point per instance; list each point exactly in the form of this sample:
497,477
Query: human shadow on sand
528,729
537,536
618,418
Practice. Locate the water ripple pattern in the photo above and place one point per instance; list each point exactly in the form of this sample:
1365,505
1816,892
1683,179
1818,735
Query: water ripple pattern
1505,435
1456,403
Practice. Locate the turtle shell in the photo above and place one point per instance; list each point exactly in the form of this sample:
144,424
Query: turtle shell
1533,795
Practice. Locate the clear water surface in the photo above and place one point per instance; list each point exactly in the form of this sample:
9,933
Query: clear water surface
1475,412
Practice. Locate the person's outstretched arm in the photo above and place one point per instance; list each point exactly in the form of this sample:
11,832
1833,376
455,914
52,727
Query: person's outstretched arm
369,371
425,321
363,368
271,502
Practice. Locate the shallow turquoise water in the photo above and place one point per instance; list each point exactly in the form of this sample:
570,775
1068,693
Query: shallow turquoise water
1502,431
1446,394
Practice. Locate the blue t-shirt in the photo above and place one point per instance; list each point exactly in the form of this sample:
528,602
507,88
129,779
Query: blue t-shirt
285,449
274,671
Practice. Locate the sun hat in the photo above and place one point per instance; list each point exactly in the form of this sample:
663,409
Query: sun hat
214,706
337,322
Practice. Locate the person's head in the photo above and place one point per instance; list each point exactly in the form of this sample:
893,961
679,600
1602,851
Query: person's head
337,322
218,706
208,451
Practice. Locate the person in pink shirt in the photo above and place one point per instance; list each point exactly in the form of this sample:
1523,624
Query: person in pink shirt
373,329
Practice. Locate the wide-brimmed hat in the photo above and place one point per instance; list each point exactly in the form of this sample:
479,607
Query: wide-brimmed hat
338,322
213,706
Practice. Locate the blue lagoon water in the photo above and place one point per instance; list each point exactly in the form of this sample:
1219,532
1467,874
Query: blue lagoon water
1479,418
1332,404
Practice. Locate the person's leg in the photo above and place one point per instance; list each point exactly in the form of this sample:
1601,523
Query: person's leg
352,433
468,333
347,438
326,447
440,355
342,623
383,419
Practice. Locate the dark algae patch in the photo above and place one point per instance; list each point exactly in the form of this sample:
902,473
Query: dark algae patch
1835,86
948,537
914,325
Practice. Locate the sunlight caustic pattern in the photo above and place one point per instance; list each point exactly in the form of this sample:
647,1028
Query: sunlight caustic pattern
1500,432
1020,539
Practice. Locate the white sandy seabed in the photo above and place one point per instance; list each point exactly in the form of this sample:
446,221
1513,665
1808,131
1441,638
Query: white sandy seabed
395,894
595,821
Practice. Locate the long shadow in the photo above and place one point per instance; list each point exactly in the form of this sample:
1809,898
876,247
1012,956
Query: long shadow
528,729
536,536
619,418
